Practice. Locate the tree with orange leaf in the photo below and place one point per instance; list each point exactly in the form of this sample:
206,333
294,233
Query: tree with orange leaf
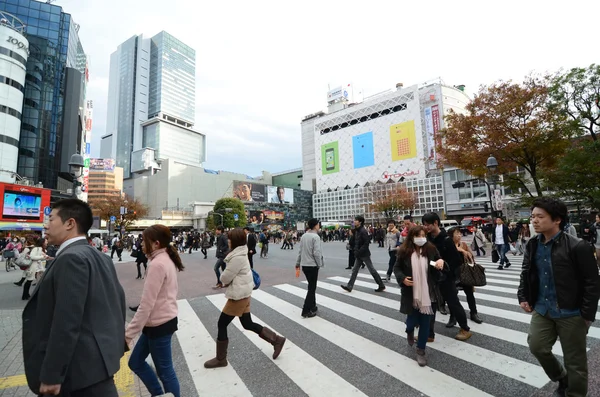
392,200
515,123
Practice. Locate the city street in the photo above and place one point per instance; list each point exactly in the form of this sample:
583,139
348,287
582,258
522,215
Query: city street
355,346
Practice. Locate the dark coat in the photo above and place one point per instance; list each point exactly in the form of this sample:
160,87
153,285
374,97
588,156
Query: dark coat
575,274
448,252
74,322
403,269
361,243
222,246
251,243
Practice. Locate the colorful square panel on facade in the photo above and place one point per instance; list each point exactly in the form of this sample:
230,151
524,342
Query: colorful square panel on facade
403,141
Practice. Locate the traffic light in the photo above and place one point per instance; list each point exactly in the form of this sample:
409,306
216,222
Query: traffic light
458,185
486,207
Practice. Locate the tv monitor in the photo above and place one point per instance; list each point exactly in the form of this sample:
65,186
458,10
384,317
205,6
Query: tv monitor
21,205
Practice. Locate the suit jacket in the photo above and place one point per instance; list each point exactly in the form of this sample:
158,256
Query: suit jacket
222,246
74,322
251,243
505,234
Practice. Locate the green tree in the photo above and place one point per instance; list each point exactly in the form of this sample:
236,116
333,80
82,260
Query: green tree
108,206
577,174
576,93
516,124
210,221
228,207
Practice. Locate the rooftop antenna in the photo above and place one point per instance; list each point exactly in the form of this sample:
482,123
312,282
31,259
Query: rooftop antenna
50,1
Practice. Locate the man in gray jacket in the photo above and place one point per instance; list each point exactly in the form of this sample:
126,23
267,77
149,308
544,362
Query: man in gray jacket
74,322
310,257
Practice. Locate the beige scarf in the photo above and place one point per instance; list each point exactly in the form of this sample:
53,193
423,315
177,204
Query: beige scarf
421,298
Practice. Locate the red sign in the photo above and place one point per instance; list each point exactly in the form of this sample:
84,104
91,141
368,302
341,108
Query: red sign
20,203
435,115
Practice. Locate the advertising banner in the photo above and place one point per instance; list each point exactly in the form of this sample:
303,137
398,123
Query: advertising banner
362,150
102,165
280,195
429,131
435,115
330,158
274,216
403,141
256,218
249,192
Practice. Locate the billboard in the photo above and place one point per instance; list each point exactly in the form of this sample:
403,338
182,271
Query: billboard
338,93
102,165
362,150
330,158
23,203
280,195
435,116
403,141
249,192
265,217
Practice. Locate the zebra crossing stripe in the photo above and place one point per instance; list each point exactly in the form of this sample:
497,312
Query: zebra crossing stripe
494,331
309,374
395,364
198,346
510,367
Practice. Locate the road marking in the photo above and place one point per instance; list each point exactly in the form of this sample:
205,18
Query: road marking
308,373
395,364
124,378
13,381
510,367
198,346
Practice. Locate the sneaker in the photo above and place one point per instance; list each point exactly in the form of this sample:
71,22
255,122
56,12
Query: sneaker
507,265
463,335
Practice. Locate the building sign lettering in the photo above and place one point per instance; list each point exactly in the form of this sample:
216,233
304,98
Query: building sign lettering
18,43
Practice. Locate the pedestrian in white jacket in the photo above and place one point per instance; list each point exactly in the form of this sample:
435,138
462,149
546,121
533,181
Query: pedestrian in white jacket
310,257
237,278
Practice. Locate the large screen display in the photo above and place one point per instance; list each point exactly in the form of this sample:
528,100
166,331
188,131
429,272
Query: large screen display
21,205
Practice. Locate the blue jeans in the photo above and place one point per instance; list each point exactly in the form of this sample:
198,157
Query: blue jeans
423,320
160,350
502,251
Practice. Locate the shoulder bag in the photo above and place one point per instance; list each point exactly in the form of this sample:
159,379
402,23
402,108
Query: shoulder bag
472,274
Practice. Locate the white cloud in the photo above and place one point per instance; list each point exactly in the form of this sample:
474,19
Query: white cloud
263,65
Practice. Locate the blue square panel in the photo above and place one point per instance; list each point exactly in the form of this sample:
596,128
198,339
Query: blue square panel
362,150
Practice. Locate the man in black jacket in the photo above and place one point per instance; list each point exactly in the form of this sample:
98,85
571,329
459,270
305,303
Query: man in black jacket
362,256
222,250
560,286
251,243
449,253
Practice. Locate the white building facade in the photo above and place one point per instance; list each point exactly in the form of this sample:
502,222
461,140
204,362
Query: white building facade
360,150
14,51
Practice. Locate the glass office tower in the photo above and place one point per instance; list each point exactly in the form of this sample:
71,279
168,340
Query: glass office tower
54,48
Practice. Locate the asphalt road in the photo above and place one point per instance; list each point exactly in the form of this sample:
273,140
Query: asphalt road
356,345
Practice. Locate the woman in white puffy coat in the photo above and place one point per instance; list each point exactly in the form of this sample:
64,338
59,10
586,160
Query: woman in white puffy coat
237,278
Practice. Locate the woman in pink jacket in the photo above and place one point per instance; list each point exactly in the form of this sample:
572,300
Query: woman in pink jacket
156,317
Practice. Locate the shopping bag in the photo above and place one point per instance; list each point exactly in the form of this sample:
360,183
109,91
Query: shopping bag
495,256
472,274
256,279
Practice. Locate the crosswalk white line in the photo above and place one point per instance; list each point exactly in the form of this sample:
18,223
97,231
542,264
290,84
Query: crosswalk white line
502,282
309,374
510,367
198,346
497,273
494,288
494,331
386,360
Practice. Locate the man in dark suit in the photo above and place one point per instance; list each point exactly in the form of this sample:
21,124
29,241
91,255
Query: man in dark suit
251,243
74,322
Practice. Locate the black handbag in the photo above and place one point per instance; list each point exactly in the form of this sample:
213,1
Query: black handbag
495,255
472,275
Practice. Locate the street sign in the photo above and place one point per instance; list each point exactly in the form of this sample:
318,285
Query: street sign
498,199
47,210
236,217
113,218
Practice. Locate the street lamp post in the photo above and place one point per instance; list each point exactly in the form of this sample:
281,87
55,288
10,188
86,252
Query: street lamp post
221,215
492,166
76,164
216,213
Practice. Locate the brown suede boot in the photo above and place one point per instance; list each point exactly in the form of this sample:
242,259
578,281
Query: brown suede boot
221,359
274,339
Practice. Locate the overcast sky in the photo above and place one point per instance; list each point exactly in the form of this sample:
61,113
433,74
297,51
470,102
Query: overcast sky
263,65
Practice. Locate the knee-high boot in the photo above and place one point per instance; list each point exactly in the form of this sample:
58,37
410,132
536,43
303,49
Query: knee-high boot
276,340
26,290
221,359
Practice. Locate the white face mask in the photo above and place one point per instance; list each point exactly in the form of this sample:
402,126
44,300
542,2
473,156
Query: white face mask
420,241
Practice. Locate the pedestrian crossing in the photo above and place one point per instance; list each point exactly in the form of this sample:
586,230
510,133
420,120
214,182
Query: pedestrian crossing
356,345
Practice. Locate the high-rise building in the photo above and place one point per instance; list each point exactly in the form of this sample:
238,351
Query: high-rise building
151,100
54,91
105,183
13,62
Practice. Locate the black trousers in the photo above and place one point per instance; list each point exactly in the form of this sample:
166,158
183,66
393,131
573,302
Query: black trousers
251,260
245,319
106,388
351,258
139,269
312,275
450,294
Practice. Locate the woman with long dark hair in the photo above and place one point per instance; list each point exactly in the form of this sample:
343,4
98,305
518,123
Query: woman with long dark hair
418,270
237,278
467,258
156,317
